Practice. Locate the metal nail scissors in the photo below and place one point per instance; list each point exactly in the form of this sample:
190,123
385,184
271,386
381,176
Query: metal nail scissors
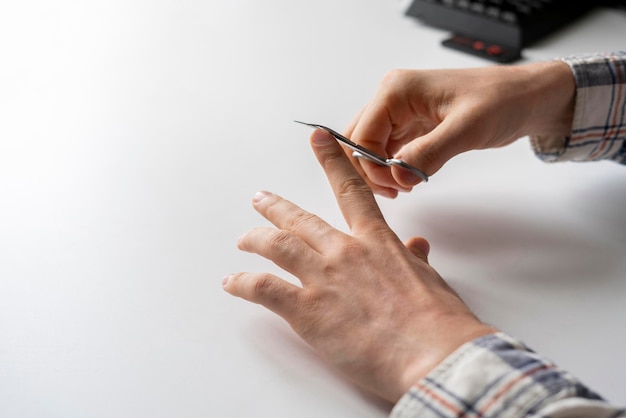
362,152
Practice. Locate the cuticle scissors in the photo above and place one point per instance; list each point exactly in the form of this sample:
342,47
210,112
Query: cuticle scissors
359,151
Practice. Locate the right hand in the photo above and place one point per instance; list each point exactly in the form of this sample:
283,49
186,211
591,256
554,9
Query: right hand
426,117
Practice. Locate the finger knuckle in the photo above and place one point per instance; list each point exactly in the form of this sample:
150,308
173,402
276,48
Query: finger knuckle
264,286
352,186
279,240
393,78
334,159
345,250
300,220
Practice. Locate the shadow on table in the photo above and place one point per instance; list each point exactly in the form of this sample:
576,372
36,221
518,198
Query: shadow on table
582,242
276,341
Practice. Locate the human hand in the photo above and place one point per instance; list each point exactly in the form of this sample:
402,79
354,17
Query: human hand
426,117
368,304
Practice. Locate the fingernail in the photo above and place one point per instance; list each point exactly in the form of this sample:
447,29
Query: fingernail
226,279
321,137
260,196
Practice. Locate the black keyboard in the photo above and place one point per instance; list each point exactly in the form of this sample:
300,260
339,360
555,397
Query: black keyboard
497,29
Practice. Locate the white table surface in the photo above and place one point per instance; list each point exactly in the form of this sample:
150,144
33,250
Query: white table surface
133,135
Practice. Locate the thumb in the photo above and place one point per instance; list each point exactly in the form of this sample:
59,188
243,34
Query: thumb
431,151
419,247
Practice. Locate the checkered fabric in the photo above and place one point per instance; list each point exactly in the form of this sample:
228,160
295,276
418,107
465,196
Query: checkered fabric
498,376
599,125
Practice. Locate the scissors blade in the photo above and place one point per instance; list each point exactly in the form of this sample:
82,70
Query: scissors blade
362,152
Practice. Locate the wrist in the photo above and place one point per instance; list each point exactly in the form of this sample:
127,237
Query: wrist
446,343
551,94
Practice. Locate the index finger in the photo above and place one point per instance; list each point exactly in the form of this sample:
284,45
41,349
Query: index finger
354,197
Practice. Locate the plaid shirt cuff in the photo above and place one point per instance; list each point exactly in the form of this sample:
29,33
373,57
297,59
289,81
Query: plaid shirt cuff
498,376
599,126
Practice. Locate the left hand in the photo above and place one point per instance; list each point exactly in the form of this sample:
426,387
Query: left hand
369,305
426,117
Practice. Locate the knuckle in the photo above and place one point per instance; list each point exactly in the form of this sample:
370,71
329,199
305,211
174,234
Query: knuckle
264,286
334,158
352,186
300,220
394,77
279,240
345,250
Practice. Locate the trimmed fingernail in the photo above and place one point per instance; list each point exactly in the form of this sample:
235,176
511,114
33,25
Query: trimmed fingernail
226,279
321,137
260,196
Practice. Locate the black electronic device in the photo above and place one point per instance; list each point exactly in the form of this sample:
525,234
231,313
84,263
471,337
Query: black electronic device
497,29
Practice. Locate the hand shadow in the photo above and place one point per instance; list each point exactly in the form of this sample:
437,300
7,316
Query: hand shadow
580,242
279,344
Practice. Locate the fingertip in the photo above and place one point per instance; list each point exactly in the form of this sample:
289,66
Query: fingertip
381,179
226,280
264,289
386,192
405,178
241,241
260,196
320,137
232,284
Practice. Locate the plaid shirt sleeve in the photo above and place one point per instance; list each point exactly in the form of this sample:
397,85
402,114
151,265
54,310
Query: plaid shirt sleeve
599,125
498,376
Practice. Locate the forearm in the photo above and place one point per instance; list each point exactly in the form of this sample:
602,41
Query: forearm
498,376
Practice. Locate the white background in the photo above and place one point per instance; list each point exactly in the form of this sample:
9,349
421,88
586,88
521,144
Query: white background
133,135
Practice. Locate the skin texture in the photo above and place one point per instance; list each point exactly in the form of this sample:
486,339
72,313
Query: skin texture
426,117
385,325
